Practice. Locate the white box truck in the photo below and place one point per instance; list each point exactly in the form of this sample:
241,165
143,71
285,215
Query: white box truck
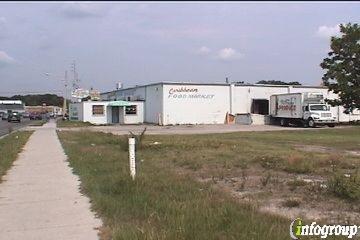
307,109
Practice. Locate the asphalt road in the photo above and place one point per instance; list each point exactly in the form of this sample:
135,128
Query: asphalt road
4,125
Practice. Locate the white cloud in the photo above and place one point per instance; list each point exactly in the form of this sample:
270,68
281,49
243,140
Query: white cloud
228,54
5,58
204,50
328,31
83,10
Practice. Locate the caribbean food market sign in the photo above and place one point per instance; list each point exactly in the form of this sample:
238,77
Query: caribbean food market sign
189,93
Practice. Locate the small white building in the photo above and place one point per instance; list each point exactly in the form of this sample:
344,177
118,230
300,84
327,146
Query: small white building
107,112
170,103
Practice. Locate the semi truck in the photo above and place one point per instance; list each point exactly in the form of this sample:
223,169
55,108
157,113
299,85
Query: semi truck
307,109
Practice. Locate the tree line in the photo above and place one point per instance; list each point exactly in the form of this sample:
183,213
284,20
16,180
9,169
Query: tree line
38,99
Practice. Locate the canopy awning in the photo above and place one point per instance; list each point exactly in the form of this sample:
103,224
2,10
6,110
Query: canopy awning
119,103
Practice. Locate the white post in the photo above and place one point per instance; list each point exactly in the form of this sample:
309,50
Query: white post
132,157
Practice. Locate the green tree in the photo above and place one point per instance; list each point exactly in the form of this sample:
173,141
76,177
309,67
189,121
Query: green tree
343,68
277,82
37,99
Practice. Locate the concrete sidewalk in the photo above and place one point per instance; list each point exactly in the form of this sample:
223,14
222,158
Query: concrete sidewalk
39,197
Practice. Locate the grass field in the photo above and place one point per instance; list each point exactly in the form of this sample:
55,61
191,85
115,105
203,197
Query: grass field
188,187
37,123
10,146
70,124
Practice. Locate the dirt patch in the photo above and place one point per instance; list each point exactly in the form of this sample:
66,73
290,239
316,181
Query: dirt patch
322,149
187,129
355,153
270,195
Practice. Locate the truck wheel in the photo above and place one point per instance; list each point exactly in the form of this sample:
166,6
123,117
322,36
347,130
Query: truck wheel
331,125
305,124
311,123
283,122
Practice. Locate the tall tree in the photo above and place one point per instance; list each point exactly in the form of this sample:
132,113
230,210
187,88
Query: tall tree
343,67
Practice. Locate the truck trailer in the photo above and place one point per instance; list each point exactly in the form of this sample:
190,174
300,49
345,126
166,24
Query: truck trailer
307,109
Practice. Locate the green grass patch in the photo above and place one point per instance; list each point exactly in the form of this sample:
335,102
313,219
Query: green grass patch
60,123
270,150
161,203
37,123
10,146
166,202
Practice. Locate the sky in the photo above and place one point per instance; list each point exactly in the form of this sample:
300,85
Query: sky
145,42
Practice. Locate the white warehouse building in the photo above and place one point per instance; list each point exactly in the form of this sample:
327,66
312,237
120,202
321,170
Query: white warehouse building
171,103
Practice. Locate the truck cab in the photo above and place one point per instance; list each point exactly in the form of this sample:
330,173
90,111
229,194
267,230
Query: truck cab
318,114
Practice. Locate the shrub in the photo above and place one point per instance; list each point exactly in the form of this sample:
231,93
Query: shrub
293,184
269,162
265,179
244,178
290,203
345,186
296,164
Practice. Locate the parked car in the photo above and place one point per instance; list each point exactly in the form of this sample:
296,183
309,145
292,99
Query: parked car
26,115
4,116
14,117
65,116
35,116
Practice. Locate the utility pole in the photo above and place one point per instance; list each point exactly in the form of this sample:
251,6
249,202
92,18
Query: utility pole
65,94
76,80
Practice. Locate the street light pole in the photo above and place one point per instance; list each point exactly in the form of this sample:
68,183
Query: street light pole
65,95
64,109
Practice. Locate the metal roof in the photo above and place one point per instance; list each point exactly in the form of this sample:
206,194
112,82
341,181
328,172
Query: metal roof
119,103
216,84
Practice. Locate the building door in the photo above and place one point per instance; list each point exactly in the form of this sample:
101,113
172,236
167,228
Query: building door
115,114
260,106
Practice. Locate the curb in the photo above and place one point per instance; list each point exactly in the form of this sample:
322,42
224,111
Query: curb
16,130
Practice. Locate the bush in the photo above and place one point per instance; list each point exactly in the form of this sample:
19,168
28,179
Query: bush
290,203
269,162
293,184
265,179
296,164
345,186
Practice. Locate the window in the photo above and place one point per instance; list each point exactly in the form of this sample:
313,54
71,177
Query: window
98,109
130,110
318,108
